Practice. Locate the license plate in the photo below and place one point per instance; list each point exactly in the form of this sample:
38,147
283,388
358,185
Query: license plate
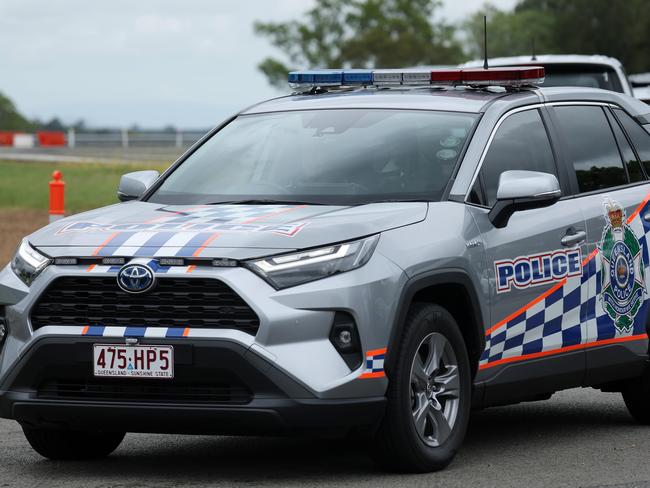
121,361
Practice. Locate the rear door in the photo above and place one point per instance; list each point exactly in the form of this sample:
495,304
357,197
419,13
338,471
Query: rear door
534,266
610,187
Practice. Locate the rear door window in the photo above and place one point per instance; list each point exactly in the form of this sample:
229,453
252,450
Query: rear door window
591,147
634,171
640,138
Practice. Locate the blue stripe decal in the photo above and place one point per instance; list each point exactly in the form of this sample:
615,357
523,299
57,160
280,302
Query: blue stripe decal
193,244
115,243
96,331
154,243
114,269
175,332
135,331
156,267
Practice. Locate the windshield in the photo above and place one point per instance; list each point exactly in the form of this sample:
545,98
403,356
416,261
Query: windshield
333,157
589,75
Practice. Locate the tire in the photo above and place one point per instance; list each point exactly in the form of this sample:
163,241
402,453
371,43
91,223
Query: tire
399,444
72,445
636,395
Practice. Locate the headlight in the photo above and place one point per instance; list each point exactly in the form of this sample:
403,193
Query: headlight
28,263
294,269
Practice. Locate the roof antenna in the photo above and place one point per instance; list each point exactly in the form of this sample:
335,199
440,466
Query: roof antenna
534,58
485,51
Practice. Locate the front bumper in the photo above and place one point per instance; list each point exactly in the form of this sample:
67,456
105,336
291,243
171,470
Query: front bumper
272,404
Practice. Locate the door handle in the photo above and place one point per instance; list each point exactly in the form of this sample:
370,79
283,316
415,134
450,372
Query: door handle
573,238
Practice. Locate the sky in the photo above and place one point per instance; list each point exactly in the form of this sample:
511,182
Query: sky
188,63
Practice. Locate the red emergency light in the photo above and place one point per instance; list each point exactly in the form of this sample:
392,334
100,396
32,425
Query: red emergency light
506,76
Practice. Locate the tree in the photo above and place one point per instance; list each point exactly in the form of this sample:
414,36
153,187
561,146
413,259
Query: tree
10,118
613,28
55,125
510,33
360,34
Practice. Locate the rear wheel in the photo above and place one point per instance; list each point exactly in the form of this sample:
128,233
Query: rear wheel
428,396
636,395
72,445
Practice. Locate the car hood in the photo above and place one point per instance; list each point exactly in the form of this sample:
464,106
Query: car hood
230,231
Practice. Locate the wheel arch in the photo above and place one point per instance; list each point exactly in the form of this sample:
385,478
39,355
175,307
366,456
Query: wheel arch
443,287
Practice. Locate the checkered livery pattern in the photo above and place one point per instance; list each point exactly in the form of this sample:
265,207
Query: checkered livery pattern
568,315
374,364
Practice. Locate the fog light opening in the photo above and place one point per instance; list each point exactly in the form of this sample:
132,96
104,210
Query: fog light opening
345,339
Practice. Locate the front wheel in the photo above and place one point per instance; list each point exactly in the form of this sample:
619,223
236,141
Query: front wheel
72,445
429,394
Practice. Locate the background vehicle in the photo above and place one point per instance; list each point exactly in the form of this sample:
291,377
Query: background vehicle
570,70
641,86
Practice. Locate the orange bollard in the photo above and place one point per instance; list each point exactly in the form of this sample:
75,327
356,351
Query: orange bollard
57,197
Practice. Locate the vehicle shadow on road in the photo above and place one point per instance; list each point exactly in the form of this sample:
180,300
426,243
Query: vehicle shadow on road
495,435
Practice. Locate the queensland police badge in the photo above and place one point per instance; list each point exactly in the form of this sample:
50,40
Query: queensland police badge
622,275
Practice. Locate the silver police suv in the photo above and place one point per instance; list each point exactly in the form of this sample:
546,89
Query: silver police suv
378,253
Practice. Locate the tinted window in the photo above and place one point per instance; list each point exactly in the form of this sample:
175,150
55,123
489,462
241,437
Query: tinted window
591,146
590,75
632,164
640,138
333,157
520,143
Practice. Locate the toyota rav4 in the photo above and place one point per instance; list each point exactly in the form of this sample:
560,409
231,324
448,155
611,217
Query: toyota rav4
378,253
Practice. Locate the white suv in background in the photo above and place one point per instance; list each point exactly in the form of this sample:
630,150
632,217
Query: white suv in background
570,70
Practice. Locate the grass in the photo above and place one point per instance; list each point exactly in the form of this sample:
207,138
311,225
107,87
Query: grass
24,185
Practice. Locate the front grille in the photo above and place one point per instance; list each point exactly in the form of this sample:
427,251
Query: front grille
174,302
144,391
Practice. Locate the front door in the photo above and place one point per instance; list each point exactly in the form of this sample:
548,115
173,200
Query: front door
535,273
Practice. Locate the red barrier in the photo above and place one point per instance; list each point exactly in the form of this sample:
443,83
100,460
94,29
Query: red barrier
51,138
57,196
6,138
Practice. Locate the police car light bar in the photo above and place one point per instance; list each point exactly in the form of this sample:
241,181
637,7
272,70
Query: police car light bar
514,76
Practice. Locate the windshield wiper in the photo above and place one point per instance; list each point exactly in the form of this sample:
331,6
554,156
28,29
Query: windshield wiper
263,201
399,200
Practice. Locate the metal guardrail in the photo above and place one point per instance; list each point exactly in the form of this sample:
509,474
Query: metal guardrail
127,138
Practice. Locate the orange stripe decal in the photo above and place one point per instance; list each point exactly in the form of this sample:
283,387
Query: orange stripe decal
639,208
273,214
105,243
186,332
591,256
191,268
205,244
560,350
377,374
85,331
376,352
90,268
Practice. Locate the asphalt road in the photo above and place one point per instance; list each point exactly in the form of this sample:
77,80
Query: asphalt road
578,438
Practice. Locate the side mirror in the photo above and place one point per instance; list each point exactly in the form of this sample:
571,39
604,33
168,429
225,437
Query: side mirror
523,190
133,185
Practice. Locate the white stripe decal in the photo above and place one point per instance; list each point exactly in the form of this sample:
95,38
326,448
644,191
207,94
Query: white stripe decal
155,332
114,332
133,243
175,244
